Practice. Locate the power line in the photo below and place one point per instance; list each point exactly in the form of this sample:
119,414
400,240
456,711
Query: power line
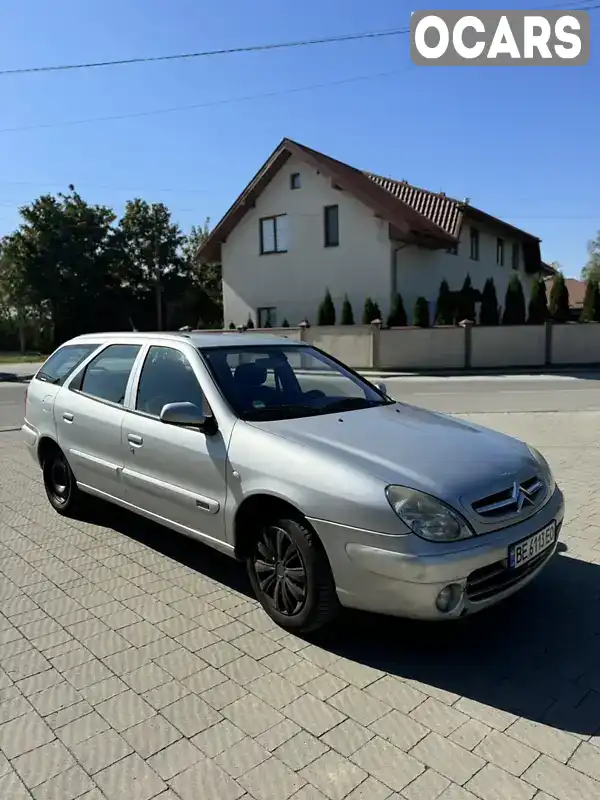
556,217
208,104
586,5
102,186
506,217
351,37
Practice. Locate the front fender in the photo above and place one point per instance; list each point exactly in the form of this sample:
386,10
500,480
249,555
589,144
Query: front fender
320,486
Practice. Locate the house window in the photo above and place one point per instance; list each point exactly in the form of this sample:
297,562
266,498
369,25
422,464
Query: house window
295,180
453,249
332,226
474,244
500,251
515,255
273,234
266,317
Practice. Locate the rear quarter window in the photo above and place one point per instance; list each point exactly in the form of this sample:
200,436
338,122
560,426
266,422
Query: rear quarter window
63,361
106,376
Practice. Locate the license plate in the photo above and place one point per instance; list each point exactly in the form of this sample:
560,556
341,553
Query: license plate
527,549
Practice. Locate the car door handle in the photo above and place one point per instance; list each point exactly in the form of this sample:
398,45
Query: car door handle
68,417
135,440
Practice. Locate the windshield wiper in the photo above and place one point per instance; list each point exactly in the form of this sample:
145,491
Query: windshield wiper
276,412
353,404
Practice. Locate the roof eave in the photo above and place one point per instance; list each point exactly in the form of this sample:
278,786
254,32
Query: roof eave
432,240
548,270
482,216
211,251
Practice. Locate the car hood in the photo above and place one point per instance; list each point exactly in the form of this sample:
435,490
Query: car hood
448,457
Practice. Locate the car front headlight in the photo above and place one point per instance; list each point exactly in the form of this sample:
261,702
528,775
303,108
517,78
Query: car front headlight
544,468
426,516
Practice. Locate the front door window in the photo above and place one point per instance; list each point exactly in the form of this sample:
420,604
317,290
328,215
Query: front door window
167,377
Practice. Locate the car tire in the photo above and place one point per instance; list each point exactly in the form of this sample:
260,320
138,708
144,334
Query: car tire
59,483
291,576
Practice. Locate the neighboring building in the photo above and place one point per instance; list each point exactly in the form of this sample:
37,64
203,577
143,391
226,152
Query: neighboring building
576,291
307,222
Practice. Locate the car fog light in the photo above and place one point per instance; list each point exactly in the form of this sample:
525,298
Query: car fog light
449,598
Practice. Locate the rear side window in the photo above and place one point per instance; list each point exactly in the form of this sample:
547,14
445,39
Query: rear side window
107,375
63,361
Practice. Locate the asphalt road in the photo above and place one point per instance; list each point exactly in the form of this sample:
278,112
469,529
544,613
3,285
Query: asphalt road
499,393
464,394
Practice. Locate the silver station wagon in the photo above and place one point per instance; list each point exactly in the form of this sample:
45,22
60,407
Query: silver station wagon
273,452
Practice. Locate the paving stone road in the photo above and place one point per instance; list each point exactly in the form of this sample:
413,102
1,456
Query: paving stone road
135,665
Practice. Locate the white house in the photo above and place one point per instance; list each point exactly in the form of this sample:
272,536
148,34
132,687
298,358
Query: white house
307,222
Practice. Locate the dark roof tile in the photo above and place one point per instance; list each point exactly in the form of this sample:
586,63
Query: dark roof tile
442,210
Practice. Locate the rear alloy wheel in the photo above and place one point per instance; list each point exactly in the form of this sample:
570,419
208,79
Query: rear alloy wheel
291,577
59,483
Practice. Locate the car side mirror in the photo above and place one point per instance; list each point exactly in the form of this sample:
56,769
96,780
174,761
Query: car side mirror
381,386
187,415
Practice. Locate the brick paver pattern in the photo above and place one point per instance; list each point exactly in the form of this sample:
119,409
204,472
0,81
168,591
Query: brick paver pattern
127,671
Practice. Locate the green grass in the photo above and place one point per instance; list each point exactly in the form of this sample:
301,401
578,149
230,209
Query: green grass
17,358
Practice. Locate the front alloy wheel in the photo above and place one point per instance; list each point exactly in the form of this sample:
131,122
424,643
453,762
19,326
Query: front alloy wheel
291,576
280,571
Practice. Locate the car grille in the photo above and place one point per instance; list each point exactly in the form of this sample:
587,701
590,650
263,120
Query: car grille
484,583
524,496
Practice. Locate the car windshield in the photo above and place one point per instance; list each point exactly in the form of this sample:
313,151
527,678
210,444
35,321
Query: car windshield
286,381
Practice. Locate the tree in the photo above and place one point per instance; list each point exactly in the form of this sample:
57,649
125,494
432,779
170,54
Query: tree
250,323
202,300
591,302
489,313
326,315
369,313
421,315
67,261
19,315
465,302
592,267
444,310
152,243
596,312
347,312
559,299
538,304
397,316
285,324
231,326
514,303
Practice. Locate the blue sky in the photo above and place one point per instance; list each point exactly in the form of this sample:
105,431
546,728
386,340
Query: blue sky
520,142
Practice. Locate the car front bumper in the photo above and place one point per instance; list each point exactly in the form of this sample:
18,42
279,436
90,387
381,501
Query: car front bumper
374,572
